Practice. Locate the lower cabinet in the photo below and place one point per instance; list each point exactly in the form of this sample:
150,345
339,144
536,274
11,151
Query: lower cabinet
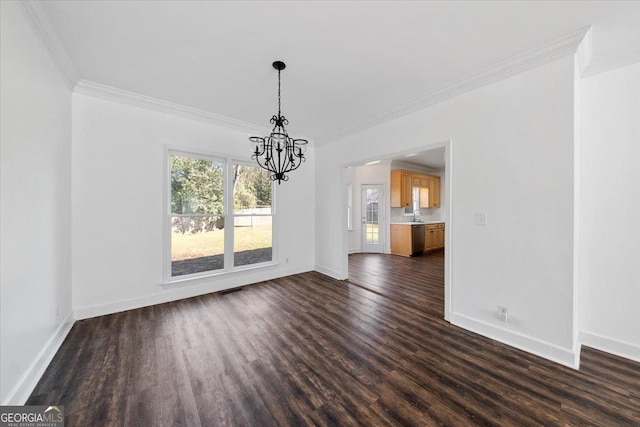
401,243
433,236
405,242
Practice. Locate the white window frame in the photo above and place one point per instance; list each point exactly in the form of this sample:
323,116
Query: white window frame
227,214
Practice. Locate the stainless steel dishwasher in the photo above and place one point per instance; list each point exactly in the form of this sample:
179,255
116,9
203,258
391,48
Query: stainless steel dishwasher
417,239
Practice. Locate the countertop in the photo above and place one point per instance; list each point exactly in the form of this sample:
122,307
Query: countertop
417,223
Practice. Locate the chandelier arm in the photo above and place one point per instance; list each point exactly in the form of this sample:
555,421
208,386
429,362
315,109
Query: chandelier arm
286,165
262,166
256,154
290,165
291,155
302,159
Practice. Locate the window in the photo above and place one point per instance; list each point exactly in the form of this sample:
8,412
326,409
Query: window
252,215
205,194
415,196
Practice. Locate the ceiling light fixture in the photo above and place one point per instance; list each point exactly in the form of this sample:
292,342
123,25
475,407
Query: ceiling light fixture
278,153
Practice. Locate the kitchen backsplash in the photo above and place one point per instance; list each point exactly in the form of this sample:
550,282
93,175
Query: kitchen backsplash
431,214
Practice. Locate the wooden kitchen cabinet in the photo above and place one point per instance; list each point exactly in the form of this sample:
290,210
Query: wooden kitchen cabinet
401,185
401,240
440,237
433,236
406,198
434,192
429,238
419,180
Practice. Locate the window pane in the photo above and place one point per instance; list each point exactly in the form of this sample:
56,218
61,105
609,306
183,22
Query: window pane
197,186
252,187
251,190
372,234
197,244
415,193
252,240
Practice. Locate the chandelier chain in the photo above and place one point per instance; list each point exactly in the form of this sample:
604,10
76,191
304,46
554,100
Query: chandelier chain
279,114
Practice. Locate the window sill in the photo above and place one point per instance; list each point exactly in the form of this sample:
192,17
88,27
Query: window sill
196,277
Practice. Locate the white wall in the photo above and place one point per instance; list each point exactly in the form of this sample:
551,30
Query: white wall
609,250
117,206
35,259
358,176
512,144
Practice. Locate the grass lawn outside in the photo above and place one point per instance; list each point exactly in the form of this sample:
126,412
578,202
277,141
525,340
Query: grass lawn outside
208,243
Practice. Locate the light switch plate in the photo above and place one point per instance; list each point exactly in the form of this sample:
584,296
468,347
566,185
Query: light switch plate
480,218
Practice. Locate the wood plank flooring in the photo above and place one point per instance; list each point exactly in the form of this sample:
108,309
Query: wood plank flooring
415,281
310,350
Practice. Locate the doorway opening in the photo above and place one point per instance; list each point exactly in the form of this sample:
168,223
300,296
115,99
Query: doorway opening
421,281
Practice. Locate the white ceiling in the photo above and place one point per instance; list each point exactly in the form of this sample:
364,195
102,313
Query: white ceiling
433,159
347,62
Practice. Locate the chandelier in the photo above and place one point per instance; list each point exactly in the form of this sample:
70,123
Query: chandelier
278,152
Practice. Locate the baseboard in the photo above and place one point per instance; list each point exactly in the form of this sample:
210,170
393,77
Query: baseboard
329,272
355,250
555,353
187,289
610,345
22,390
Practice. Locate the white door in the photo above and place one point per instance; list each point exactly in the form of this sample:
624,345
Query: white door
373,223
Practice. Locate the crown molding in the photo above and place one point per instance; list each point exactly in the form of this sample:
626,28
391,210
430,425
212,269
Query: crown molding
618,59
584,51
38,16
110,93
528,60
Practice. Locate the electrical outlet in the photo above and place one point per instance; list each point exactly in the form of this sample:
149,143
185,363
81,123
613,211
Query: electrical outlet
503,313
286,260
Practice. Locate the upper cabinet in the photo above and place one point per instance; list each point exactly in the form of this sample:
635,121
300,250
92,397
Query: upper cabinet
401,186
420,181
434,191
406,185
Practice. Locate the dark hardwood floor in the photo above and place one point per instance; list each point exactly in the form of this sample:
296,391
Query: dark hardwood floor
415,281
310,350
